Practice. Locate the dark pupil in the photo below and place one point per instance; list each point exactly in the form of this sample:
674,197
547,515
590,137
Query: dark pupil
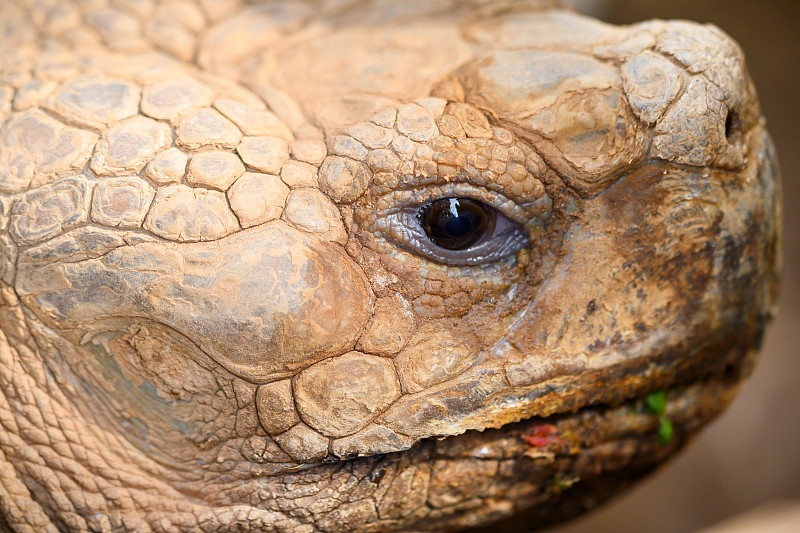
454,223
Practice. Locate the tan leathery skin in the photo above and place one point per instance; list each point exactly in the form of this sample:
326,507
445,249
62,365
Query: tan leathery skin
223,308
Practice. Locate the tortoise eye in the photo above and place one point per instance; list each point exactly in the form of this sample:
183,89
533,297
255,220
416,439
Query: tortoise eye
456,223
463,227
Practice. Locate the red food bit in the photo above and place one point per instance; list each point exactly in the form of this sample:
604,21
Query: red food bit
541,435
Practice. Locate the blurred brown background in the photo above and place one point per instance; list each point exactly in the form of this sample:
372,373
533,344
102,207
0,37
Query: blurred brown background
751,455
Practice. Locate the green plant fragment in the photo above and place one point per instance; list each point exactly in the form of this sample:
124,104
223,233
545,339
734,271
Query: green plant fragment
656,402
665,430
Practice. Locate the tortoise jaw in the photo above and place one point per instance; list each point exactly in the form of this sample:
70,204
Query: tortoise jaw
562,465
696,381
545,468
687,407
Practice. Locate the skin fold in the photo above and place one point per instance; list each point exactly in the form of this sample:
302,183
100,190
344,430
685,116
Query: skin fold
221,310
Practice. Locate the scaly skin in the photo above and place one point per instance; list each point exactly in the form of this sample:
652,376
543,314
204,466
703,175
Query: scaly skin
219,310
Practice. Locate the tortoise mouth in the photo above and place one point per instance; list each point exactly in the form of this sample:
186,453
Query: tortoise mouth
662,390
542,470
655,418
557,467
659,419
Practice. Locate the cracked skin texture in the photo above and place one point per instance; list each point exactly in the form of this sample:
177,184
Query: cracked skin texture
217,308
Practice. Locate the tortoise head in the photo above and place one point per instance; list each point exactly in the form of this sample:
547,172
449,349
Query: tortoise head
425,311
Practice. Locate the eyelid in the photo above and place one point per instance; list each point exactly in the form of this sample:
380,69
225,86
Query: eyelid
405,230
530,217
395,216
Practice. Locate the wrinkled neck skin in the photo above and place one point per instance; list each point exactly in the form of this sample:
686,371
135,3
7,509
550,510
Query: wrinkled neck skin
218,313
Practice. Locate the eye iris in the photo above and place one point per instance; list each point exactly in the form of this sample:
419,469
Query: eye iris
455,223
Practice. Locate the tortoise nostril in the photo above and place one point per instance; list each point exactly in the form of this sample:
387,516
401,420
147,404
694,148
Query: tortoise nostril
733,127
